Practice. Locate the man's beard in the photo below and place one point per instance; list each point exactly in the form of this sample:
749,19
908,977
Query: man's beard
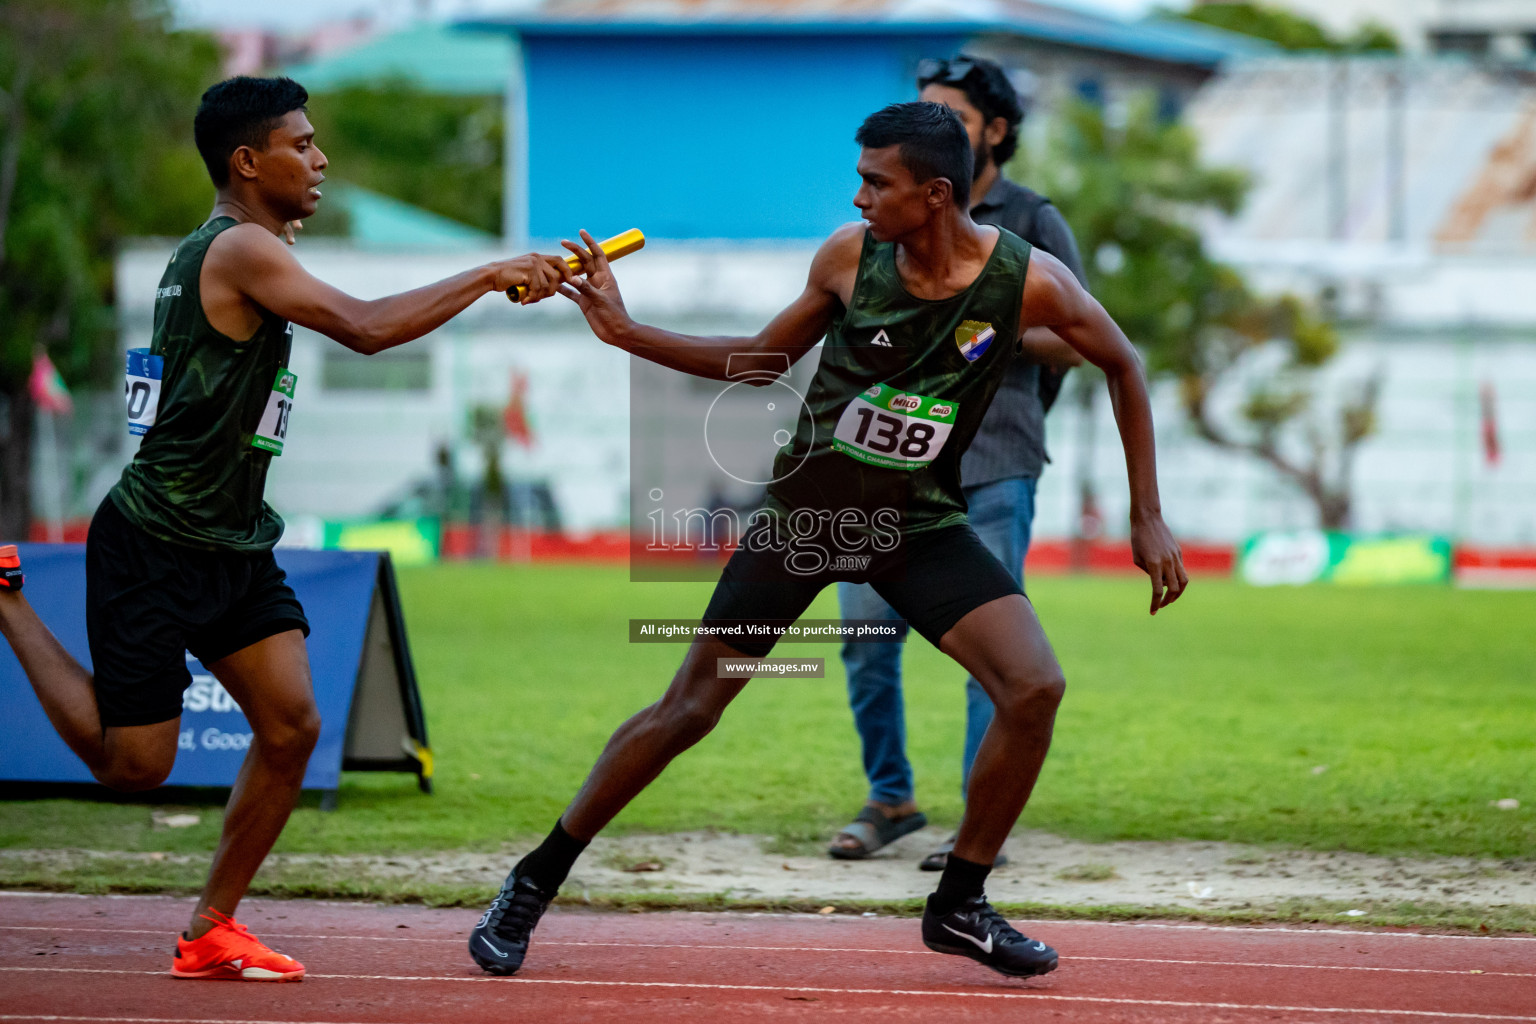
981,156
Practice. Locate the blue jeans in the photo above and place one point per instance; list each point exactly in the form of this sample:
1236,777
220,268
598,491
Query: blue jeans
1001,514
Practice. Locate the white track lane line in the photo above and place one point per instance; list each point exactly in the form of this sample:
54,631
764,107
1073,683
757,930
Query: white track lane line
726,947
776,989
1049,922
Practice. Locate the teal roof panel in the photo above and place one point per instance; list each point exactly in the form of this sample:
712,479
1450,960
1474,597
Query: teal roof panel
1157,40
437,58
378,221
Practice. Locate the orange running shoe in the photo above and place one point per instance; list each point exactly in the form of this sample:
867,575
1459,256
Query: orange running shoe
231,952
10,568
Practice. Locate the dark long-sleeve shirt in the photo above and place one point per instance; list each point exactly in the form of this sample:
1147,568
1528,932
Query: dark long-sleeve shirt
1011,440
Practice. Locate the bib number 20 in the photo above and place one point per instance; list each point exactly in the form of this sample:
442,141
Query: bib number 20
143,390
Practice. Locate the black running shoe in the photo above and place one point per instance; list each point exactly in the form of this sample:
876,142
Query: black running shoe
975,930
10,568
500,941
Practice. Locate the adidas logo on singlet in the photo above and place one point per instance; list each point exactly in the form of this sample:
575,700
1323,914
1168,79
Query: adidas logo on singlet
882,339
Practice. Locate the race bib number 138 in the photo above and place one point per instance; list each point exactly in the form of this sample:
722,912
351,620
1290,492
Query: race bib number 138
273,429
894,429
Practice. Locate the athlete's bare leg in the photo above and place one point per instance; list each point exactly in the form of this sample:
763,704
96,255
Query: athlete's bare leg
647,743
269,680
125,758
1002,645
271,683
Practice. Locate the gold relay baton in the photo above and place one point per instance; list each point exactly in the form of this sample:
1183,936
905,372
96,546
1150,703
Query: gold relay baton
622,244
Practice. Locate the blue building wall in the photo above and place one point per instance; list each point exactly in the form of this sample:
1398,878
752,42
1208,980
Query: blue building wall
695,135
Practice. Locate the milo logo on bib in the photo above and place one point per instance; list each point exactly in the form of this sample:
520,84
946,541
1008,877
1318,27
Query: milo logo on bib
894,429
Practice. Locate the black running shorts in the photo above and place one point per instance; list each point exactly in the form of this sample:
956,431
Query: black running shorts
148,602
933,579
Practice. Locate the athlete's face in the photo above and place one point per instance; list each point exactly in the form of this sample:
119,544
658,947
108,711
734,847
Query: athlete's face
983,134
290,169
890,199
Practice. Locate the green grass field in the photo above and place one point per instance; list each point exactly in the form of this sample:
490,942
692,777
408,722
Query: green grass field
1210,721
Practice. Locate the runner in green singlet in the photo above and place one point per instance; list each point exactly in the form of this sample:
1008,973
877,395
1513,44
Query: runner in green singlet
922,310
179,556
944,354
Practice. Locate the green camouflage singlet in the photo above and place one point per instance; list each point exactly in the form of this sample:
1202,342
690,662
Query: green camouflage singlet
900,392
196,480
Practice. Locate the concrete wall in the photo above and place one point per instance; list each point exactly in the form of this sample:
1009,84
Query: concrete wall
352,451
1424,469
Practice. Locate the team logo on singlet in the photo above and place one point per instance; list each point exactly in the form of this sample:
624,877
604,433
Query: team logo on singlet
882,339
974,338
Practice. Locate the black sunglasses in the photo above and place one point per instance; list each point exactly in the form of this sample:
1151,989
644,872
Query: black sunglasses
949,72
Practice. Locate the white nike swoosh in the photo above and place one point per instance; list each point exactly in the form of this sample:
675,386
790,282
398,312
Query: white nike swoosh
487,944
1040,947
985,947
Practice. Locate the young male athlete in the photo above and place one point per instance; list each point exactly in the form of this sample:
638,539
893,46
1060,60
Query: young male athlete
998,473
922,310
179,555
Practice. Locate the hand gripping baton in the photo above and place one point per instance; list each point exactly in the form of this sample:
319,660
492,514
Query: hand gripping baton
621,244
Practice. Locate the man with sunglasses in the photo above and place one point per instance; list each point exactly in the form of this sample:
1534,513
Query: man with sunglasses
999,471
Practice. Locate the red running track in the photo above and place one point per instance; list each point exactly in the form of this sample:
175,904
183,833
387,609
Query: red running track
104,959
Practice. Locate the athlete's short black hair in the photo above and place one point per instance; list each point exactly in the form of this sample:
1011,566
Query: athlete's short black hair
241,111
986,88
932,140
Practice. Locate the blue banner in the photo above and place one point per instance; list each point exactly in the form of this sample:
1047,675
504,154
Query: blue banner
336,589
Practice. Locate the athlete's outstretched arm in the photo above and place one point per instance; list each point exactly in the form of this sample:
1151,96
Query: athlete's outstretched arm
793,332
1053,298
249,261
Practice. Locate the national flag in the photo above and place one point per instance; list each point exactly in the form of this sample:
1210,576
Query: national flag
47,387
1490,417
514,417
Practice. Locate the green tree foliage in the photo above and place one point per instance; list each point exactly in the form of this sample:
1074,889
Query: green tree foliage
96,104
442,153
1289,30
1133,193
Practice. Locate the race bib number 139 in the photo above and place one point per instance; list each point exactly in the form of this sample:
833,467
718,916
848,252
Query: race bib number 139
273,429
894,429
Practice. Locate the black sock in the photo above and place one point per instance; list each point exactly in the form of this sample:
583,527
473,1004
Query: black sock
548,865
962,880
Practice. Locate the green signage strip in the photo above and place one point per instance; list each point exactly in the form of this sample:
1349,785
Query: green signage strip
408,541
1295,557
